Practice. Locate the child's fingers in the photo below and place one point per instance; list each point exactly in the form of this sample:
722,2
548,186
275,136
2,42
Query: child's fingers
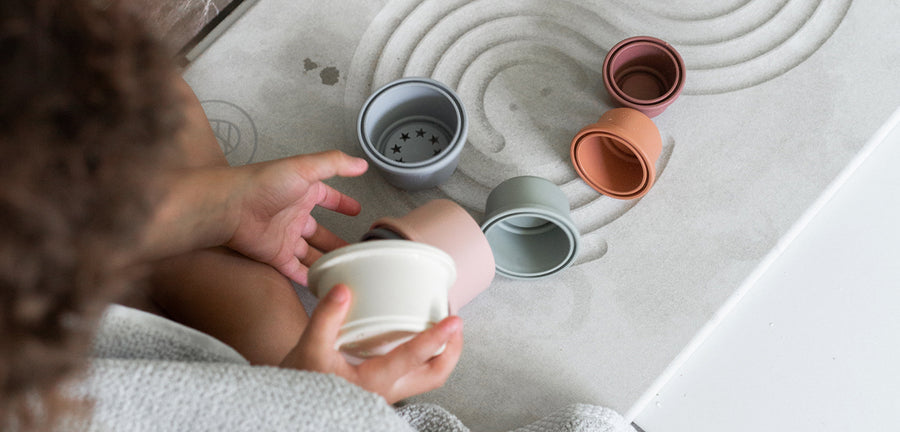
445,362
301,248
294,269
312,255
309,227
415,353
435,372
315,350
325,240
332,199
327,164
322,331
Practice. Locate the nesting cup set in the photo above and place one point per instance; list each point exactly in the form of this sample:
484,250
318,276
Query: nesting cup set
410,272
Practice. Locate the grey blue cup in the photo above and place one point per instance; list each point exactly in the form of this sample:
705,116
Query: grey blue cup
528,225
413,130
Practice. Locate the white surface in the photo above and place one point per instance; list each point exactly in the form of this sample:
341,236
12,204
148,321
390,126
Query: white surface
815,343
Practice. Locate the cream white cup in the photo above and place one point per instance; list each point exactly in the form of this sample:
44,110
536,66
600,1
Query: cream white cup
399,289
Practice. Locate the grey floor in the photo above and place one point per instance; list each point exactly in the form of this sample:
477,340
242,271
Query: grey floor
772,110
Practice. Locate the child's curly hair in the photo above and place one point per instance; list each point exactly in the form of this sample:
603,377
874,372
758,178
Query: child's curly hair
87,111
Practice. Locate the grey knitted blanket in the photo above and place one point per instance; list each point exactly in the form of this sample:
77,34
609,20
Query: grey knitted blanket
151,374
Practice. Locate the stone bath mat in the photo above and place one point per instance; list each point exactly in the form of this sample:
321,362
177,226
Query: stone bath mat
780,95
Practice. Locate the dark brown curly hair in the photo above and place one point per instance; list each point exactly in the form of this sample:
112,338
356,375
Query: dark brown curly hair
87,113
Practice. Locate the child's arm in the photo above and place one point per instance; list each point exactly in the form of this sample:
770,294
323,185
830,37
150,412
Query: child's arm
260,210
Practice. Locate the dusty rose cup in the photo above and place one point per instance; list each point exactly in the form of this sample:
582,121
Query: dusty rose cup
444,224
644,73
617,155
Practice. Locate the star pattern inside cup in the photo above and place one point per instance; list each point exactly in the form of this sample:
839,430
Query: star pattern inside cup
416,141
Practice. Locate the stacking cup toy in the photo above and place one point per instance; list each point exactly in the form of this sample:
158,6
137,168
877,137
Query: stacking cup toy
444,224
399,289
644,73
617,155
413,130
529,229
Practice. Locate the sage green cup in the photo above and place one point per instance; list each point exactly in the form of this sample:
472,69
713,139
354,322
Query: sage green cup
529,228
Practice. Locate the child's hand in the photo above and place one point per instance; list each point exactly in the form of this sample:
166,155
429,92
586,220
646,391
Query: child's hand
408,370
275,225
261,210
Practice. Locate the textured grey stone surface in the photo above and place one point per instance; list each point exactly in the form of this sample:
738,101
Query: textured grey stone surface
779,96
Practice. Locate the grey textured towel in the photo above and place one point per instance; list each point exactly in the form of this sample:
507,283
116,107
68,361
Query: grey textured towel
152,374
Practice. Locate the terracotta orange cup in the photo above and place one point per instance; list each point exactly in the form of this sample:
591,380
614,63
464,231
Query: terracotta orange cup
644,73
444,224
617,155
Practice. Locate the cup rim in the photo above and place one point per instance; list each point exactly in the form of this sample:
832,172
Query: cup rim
398,226
356,330
544,212
647,165
647,104
447,156
405,248
665,49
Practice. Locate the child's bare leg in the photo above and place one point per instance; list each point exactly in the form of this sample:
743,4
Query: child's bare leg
246,304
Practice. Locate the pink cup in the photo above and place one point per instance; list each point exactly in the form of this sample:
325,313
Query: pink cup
444,224
644,73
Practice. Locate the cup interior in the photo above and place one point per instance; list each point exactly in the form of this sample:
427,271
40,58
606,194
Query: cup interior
611,164
411,123
529,244
644,72
381,233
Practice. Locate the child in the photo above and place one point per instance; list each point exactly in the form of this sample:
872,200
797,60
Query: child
109,174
